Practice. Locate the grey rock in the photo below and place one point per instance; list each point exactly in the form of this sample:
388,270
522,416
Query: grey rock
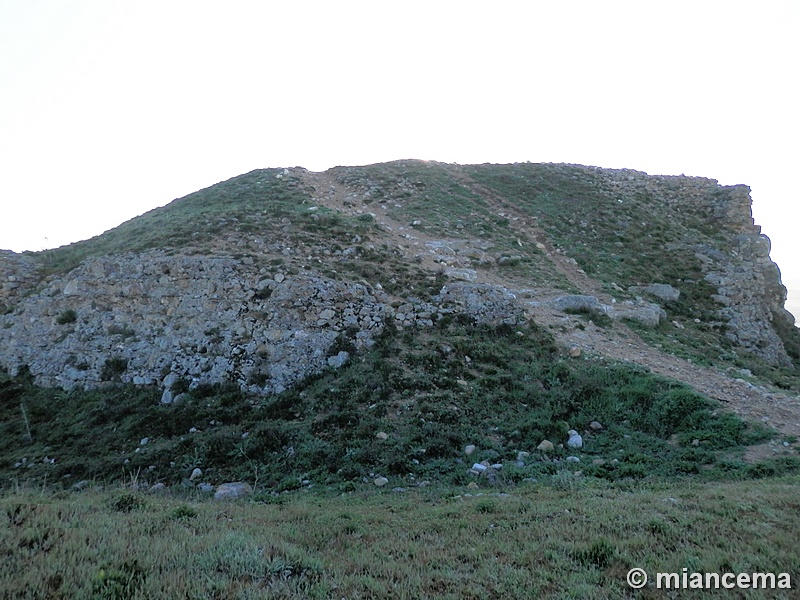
545,446
664,291
339,360
579,303
575,439
646,313
465,274
233,490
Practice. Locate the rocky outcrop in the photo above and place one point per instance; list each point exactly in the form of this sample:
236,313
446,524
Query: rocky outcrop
647,313
19,274
152,318
182,321
751,296
749,289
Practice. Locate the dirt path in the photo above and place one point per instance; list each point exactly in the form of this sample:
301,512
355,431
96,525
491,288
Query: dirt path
778,410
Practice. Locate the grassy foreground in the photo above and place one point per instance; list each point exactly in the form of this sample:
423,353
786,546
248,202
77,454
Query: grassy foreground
576,538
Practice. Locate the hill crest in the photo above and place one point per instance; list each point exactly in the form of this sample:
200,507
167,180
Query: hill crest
276,274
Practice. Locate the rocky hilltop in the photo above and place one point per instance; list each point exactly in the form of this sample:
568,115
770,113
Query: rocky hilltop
278,274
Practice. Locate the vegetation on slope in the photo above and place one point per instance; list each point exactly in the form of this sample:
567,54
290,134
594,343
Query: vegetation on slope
432,391
263,203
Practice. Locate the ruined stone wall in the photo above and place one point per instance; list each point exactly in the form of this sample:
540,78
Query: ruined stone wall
154,319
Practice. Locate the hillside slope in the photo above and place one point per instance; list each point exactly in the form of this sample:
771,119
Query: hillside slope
280,276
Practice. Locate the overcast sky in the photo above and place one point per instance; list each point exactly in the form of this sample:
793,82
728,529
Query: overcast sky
109,108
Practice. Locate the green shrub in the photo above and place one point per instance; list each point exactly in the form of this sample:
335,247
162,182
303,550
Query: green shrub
68,316
598,555
128,502
184,511
113,368
120,582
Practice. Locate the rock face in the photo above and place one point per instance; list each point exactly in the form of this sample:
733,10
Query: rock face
153,319
18,275
751,296
749,289
182,321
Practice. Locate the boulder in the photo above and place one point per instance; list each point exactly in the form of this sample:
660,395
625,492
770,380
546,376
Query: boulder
233,490
646,313
575,440
579,303
664,291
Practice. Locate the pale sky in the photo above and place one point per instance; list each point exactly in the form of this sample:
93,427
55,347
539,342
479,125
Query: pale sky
109,108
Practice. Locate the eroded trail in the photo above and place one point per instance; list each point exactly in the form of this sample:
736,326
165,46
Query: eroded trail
778,410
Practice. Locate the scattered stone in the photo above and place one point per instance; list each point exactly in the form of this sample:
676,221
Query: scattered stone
579,303
196,474
339,360
574,352
595,426
663,291
573,459
468,450
380,481
382,435
233,490
522,455
472,485
575,439
463,274
144,441
158,487
205,487
545,446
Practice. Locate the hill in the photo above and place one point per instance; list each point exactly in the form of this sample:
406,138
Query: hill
287,318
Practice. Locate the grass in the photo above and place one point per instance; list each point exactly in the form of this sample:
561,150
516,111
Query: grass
254,205
442,206
620,237
431,390
539,541
662,486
